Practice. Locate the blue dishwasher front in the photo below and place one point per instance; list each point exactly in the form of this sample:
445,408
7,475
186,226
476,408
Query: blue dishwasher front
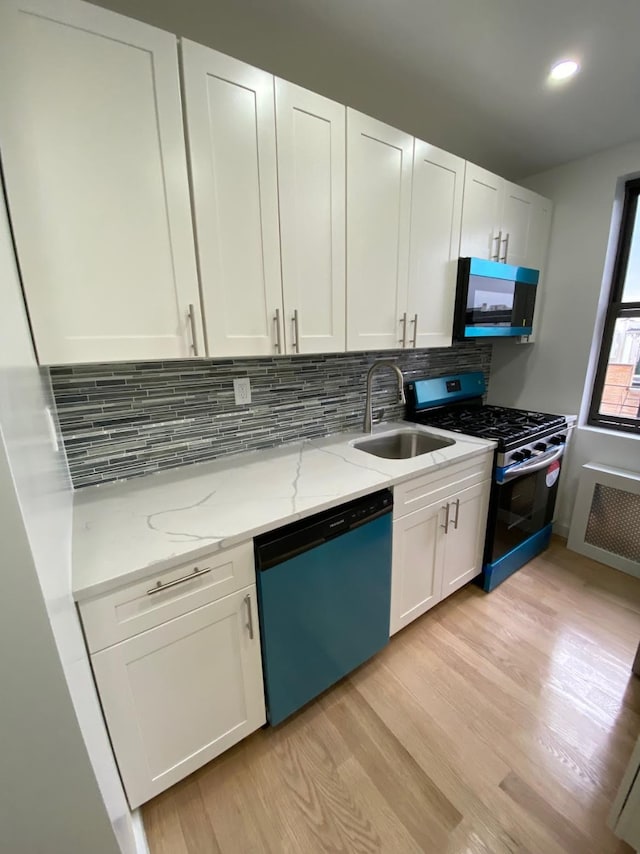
324,591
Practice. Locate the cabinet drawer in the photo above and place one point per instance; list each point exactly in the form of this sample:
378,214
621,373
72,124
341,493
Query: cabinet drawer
422,491
133,609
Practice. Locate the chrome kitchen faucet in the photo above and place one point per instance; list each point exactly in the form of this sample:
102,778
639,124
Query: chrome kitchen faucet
381,363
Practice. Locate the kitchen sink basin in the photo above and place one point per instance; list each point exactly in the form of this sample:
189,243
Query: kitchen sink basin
403,444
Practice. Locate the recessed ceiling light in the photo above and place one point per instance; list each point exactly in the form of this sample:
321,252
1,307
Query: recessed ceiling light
564,69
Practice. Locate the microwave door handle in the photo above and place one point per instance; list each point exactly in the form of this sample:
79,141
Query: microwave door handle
534,466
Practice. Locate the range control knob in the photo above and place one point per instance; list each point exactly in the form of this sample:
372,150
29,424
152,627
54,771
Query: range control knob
558,440
526,452
541,446
517,457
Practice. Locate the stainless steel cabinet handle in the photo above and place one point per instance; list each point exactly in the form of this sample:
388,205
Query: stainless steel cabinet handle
506,249
498,240
445,507
403,321
276,320
192,324
414,341
455,521
296,331
195,574
247,601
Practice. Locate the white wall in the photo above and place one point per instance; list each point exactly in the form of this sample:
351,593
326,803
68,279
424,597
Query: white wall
553,373
43,490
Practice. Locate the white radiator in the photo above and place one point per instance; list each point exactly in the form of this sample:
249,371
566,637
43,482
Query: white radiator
606,518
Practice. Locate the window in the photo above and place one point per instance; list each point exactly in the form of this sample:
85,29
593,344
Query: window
616,391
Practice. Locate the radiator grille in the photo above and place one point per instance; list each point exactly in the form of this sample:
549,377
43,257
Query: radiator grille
614,521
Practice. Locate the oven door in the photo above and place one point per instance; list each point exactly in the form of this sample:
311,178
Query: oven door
523,505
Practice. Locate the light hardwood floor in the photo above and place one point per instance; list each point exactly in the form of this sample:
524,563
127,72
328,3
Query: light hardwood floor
494,724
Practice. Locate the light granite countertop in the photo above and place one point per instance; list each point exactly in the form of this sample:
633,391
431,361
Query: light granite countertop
124,531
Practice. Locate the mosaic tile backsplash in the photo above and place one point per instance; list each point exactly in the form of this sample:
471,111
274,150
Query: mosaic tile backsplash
122,420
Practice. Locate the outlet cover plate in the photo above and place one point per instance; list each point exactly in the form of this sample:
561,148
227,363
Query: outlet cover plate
242,390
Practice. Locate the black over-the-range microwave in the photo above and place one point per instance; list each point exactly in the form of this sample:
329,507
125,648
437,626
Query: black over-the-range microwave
493,299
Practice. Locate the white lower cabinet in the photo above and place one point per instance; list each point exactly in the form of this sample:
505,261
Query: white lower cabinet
463,537
438,547
416,579
176,696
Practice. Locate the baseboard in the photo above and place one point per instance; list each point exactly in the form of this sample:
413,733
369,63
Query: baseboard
561,529
138,832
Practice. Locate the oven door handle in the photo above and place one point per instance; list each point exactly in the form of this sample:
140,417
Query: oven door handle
535,466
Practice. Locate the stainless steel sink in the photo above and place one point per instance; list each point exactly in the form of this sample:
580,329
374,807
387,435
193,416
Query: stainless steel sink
402,444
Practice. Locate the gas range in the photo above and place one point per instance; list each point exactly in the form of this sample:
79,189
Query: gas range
528,460
520,434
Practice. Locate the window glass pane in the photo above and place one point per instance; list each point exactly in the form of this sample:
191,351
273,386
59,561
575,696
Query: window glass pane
631,291
621,392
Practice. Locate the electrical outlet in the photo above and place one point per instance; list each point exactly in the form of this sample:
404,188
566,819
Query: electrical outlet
242,390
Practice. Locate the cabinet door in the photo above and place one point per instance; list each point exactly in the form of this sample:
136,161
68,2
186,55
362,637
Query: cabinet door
481,213
464,540
518,213
311,184
229,108
538,251
540,233
379,164
95,169
178,695
416,580
436,210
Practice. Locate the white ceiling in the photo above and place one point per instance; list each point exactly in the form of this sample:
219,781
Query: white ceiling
468,75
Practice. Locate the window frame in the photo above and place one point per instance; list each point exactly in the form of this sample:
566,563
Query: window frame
616,308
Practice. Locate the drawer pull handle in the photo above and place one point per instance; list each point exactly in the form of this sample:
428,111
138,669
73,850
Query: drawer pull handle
195,574
247,600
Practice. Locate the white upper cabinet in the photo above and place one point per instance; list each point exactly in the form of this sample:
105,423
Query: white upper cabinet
518,215
379,167
502,221
230,118
311,183
481,214
436,210
96,177
540,232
